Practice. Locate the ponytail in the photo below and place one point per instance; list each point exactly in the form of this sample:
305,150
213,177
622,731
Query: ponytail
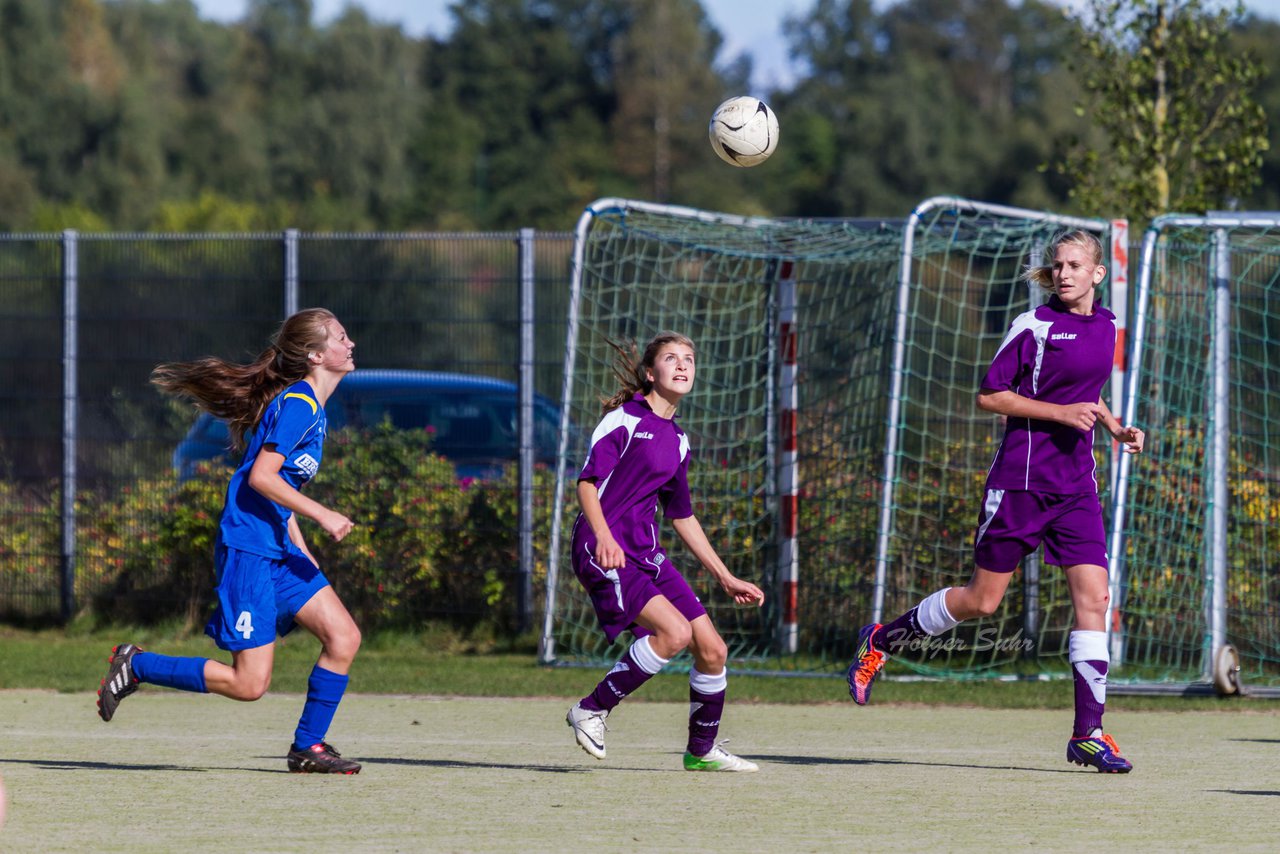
238,393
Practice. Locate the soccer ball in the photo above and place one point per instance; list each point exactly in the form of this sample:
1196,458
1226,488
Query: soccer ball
743,131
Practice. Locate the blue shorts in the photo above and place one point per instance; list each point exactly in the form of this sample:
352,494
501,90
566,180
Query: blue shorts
258,597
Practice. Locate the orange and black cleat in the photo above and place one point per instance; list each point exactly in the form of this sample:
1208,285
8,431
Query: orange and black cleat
866,666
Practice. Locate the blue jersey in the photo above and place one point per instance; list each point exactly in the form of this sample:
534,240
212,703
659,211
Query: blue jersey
294,423
639,462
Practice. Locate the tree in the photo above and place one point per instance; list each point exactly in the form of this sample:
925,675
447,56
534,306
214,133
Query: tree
1176,126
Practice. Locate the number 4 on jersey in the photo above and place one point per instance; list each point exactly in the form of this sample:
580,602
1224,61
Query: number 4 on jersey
244,624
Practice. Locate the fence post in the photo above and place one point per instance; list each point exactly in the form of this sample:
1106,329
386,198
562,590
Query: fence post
524,598
290,272
70,337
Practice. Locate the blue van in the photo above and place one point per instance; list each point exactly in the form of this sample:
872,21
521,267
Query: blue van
475,419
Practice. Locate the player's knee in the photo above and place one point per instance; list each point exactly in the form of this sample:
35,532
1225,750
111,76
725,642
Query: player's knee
345,644
712,657
985,606
250,688
671,640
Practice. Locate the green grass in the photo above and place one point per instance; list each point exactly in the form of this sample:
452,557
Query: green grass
181,772
439,662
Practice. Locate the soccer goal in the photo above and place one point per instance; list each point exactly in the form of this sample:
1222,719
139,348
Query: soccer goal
1196,543
838,454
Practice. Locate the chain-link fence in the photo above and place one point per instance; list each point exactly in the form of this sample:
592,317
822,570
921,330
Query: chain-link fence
93,513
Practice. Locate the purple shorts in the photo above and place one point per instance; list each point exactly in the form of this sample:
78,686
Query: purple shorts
1013,523
619,595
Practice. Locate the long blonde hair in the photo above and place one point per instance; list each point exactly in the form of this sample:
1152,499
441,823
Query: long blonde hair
632,369
239,393
1042,275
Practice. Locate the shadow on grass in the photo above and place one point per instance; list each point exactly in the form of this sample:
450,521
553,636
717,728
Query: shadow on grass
826,760
77,765
1263,792
456,763
1257,740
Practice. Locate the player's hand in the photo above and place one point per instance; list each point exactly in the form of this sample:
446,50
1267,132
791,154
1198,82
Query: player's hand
335,524
1081,416
1132,438
743,592
609,554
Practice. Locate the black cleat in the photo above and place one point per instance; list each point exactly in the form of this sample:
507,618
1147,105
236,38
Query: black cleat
320,759
119,682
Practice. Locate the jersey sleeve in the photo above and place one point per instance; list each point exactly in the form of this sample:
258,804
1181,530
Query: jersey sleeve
674,494
1013,359
296,416
606,449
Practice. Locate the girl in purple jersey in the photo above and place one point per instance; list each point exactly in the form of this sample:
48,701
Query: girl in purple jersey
638,463
268,581
1046,380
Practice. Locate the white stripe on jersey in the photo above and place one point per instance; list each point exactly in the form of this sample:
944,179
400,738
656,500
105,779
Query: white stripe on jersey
1039,329
611,421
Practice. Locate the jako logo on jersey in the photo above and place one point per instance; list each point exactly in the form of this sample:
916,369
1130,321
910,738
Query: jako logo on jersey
308,464
643,435
1063,336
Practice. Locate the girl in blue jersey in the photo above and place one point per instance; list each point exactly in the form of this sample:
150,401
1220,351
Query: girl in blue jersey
268,581
1046,380
638,463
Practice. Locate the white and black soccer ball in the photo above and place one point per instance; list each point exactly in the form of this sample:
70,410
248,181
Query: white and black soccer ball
743,131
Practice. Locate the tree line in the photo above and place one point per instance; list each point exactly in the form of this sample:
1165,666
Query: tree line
138,114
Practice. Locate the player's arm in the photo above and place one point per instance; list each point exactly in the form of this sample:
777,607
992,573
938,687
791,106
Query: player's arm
608,553
295,537
1010,404
265,478
695,539
1131,437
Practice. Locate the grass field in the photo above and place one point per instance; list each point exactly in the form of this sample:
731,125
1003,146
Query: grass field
176,772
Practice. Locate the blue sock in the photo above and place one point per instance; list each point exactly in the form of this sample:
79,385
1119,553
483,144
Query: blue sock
324,691
171,671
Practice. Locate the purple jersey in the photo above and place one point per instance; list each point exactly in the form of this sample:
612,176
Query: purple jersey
1052,355
639,462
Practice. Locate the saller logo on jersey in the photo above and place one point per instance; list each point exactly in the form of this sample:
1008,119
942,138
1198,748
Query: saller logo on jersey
1063,336
308,464
643,435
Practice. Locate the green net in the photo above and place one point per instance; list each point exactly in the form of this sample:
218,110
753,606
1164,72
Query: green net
716,278
1167,613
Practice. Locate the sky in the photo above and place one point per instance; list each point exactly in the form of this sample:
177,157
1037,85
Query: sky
753,26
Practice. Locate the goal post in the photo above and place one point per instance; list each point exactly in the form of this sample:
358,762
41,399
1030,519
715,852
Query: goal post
838,454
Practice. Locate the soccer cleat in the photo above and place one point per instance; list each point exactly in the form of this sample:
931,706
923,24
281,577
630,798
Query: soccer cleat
1101,752
119,682
588,728
866,666
718,759
320,759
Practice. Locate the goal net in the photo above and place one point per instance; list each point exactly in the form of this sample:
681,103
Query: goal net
1196,589
838,456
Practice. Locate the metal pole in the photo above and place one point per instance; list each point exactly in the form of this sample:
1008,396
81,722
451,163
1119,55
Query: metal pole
788,470
1036,297
290,272
524,598
70,336
1219,423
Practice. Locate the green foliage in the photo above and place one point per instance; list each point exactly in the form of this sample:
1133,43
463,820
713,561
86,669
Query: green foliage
1172,99
424,543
